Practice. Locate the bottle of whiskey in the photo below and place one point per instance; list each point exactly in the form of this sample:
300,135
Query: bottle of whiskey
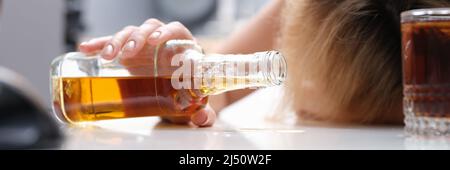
172,79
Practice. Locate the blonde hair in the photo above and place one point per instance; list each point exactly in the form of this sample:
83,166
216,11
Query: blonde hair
345,58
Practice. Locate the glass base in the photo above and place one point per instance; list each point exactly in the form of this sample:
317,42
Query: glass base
426,126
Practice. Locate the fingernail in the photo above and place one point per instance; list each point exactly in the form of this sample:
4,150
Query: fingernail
130,45
84,43
155,35
108,51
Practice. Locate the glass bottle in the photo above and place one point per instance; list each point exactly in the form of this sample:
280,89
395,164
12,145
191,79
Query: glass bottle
172,79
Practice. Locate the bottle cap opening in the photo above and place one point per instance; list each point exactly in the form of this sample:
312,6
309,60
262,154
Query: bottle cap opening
276,67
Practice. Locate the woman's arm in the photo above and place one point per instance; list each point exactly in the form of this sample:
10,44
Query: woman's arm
260,34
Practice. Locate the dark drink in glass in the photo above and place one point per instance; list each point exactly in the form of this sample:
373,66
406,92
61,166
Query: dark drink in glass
426,71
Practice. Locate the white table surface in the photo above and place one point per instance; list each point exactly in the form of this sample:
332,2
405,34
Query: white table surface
243,125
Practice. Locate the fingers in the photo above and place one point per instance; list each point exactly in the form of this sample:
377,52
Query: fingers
131,40
173,30
137,40
94,45
204,118
114,46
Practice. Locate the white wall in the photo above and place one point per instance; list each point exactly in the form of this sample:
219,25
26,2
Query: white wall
31,35
105,17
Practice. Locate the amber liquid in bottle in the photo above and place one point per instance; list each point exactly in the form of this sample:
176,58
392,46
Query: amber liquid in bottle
100,98
89,89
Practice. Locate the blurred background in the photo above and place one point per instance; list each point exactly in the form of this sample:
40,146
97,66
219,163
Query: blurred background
32,33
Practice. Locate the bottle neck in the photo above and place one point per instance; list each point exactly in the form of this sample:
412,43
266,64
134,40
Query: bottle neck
275,71
221,73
